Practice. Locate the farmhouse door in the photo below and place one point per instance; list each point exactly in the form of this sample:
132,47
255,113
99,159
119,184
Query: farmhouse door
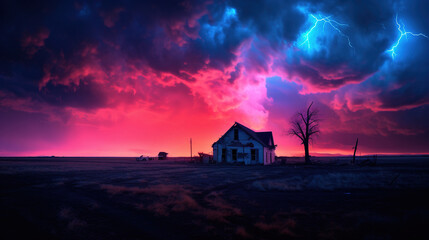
223,154
234,154
254,156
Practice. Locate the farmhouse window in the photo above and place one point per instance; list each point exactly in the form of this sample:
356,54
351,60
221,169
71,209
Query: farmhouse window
223,154
235,134
234,154
253,154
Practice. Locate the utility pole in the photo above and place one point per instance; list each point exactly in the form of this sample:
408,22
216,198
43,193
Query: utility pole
191,148
354,153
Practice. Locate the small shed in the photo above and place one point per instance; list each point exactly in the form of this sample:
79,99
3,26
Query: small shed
205,158
162,155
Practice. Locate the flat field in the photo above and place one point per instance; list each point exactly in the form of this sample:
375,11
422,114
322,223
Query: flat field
120,198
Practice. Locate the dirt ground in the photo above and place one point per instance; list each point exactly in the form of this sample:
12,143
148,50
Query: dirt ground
120,198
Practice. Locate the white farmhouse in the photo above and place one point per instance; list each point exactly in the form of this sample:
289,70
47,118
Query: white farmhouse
241,144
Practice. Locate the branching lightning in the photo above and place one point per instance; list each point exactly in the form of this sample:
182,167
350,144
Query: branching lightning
401,29
334,24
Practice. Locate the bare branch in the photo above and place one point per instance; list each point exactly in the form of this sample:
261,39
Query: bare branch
293,132
300,130
302,117
308,111
313,132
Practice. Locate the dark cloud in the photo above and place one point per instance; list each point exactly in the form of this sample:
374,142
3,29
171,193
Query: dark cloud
94,55
86,95
275,20
331,63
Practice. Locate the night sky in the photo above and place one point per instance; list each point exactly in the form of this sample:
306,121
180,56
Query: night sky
125,78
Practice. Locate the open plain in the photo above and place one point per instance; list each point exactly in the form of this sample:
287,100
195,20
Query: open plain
120,198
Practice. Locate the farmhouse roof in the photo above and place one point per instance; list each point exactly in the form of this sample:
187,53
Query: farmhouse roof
265,138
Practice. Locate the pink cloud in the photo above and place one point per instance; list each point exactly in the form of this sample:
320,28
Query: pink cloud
31,43
111,17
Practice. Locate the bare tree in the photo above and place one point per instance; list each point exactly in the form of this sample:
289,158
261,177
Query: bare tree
305,125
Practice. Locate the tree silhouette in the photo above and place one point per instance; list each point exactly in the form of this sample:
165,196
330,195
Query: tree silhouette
305,125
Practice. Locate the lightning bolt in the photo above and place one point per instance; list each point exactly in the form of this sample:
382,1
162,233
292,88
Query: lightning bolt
326,20
401,29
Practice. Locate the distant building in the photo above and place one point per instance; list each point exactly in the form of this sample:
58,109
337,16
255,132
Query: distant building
241,144
162,155
205,158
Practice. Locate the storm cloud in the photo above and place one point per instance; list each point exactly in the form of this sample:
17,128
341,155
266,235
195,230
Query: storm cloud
91,68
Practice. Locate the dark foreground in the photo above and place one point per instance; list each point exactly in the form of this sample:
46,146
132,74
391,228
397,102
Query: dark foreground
78,198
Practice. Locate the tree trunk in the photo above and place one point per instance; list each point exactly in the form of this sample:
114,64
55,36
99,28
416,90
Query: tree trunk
307,154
